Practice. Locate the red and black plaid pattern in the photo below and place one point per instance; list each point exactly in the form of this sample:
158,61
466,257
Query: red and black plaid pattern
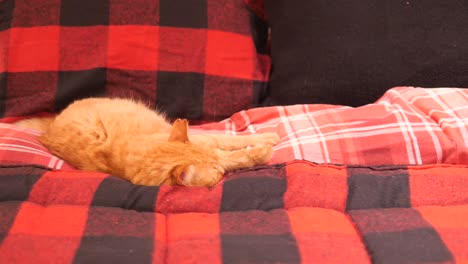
199,59
297,212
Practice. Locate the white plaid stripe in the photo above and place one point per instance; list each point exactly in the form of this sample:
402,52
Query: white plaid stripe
247,121
294,143
323,141
412,146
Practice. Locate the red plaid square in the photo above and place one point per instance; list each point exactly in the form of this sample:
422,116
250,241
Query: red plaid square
329,185
172,199
201,225
34,49
230,55
71,188
4,42
193,232
37,230
452,227
50,221
438,185
160,243
255,222
326,236
24,248
133,47
182,49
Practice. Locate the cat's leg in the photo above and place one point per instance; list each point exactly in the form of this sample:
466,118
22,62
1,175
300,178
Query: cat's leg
230,142
245,158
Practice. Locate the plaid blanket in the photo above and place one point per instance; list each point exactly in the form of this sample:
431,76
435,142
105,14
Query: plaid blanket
406,126
301,208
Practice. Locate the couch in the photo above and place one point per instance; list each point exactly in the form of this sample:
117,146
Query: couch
367,98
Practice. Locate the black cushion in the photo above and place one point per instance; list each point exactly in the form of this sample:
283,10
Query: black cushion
351,52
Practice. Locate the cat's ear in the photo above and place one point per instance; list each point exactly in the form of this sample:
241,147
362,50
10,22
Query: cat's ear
179,131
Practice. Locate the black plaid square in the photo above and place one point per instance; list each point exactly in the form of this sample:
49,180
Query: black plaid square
228,14
41,13
74,42
253,193
370,189
111,249
219,92
17,184
116,192
9,211
40,87
109,238
134,12
409,246
400,236
84,12
3,88
257,237
180,94
6,14
260,249
183,13
260,92
74,85
138,85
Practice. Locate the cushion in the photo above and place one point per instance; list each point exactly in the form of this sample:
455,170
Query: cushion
293,213
350,53
197,59
20,147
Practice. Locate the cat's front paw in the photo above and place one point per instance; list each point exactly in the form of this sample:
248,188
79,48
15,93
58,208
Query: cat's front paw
270,139
260,154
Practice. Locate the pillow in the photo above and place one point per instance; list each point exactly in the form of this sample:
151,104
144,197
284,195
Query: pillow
20,147
350,53
196,59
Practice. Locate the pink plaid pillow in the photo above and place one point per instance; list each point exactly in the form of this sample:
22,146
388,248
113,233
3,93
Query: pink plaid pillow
20,147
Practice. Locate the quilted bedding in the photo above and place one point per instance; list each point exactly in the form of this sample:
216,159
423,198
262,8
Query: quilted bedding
382,183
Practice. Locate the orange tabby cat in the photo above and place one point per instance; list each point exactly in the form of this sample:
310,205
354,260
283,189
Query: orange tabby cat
127,139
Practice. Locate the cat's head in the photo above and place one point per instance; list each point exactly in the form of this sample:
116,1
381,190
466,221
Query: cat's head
192,165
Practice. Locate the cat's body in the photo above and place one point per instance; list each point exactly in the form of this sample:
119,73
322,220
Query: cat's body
127,139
